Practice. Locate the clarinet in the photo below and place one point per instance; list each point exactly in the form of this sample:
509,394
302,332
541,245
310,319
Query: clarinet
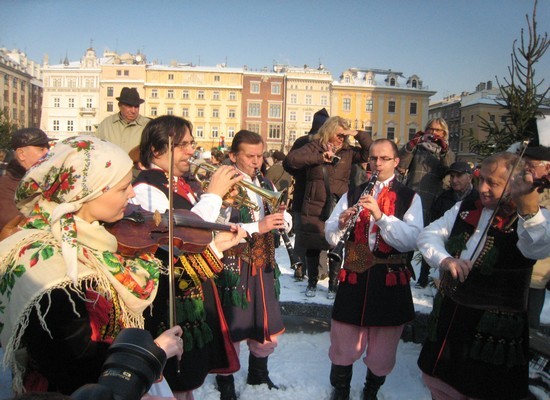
336,253
294,261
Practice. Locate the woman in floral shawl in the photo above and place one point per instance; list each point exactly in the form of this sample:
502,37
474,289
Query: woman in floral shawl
64,291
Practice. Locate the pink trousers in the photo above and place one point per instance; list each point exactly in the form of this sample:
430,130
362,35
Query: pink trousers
348,342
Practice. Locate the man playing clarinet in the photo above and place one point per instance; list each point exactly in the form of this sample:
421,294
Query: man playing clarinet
374,300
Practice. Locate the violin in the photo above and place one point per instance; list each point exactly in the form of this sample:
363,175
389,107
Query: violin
142,231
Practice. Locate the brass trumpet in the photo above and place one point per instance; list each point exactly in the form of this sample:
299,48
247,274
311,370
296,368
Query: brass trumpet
273,199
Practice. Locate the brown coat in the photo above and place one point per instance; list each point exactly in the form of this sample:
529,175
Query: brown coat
310,156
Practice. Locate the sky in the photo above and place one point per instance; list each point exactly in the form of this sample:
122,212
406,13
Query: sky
301,363
452,45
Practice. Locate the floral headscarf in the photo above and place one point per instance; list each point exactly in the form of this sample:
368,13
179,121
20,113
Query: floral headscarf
75,171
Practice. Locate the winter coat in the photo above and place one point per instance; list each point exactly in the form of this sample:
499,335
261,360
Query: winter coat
311,234
426,166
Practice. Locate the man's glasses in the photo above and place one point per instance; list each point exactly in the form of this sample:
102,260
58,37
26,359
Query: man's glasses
435,130
183,145
383,159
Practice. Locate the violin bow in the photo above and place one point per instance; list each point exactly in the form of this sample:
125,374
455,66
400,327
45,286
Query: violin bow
171,271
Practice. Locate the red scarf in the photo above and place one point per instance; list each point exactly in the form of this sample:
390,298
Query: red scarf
386,202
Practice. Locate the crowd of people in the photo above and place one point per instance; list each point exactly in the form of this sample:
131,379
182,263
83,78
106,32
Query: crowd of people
69,287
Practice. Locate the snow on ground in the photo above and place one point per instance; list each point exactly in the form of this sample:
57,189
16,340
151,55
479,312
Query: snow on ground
301,364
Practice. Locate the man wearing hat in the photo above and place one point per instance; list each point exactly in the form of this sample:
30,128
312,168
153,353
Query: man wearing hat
29,145
460,180
277,174
124,128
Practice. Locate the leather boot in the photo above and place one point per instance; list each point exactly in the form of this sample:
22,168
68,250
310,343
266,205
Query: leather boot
340,379
226,386
258,373
372,385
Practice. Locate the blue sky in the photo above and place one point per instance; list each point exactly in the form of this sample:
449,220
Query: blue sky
451,44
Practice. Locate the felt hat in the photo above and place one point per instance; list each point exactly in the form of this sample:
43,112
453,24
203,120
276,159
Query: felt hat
130,96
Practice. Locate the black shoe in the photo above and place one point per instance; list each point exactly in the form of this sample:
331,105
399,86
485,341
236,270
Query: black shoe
258,373
226,386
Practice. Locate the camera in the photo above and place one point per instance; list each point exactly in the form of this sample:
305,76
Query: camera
134,362
335,160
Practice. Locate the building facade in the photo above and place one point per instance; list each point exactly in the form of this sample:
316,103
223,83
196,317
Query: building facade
382,102
21,88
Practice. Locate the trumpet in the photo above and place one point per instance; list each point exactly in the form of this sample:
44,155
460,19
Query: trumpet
273,199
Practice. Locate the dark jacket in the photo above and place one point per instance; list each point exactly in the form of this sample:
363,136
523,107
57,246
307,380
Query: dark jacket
426,166
8,186
310,156
446,200
298,174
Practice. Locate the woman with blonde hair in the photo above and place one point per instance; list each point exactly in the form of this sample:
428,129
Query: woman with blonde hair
327,160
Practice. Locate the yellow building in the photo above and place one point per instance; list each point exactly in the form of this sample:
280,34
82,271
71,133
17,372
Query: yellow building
209,97
382,102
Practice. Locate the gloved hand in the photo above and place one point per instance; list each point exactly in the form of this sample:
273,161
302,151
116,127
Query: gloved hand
414,141
442,143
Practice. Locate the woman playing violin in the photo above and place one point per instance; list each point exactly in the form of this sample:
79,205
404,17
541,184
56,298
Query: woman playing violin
208,346
65,293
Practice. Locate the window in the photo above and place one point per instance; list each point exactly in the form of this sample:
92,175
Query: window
293,98
369,105
56,125
391,106
89,103
254,87
88,126
216,78
492,118
214,132
170,77
275,88
370,81
232,96
412,132
503,119
392,81
324,100
274,131
307,117
170,111
368,129
70,102
56,102
231,113
56,82
308,99
215,113
231,132
126,72
154,93
154,111
89,83
71,82
414,83
274,111
254,109
253,128
412,108
472,118
70,126
292,136
292,116
200,112
110,91
109,106
185,113
215,95
346,106
185,94
199,132
170,94
390,133
200,95
118,72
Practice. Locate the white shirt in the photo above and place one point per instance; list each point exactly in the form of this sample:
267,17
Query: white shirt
533,236
399,234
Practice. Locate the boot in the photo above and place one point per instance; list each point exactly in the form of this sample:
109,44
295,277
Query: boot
422,281
372,385
258,373
226,386
340,379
